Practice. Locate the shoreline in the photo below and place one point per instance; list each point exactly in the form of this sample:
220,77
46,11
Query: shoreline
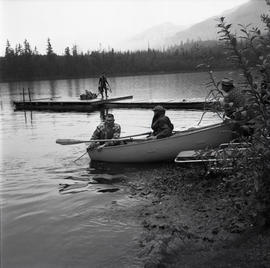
191,220
108,76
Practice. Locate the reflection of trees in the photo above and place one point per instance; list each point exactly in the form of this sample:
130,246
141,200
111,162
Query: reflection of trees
52,88
69,87
77,86
103,113
112,82
15,89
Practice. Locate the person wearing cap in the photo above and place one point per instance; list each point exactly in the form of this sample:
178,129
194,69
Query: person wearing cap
235,108
161,124
106,130
234,99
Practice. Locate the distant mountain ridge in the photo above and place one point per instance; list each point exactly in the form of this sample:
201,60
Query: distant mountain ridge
168,34
207,30
153,37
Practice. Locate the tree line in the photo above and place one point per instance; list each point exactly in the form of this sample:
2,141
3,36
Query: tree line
25,63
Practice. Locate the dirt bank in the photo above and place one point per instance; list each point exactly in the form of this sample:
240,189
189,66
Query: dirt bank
194,220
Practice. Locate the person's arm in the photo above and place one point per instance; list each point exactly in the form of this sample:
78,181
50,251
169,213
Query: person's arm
165,126
96,134
117,132
109,87
166,131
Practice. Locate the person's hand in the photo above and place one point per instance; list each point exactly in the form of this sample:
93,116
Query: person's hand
108,143
100,147
222,101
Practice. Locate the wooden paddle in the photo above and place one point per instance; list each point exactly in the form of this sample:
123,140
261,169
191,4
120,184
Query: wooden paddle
74,141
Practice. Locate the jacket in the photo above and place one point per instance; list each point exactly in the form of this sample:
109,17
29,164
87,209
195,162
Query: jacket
162,126
103,131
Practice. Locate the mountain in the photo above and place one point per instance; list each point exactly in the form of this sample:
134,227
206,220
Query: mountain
206,30
153,37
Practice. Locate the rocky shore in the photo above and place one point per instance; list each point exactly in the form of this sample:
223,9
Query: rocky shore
195,219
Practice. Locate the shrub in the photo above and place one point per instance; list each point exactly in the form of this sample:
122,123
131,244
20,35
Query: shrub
251,53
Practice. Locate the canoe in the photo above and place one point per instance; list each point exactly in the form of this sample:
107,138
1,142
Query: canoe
165,149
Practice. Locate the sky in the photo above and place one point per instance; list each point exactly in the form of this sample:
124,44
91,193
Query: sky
95,24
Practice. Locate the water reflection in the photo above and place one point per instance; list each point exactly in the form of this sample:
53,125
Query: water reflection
103,113
28,115
52,87
97,167
69,87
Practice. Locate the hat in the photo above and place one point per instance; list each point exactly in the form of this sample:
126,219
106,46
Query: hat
227,82
158,108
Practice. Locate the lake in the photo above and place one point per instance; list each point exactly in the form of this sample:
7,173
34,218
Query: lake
41,227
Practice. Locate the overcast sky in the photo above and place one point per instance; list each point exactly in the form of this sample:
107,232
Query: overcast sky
89,23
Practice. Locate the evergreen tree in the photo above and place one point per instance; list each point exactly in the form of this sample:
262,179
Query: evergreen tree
18,50
35,51
67,52
9,51
74,51
27,49
49,48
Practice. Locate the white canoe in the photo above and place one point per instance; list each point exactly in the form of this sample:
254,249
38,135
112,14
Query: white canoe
165,149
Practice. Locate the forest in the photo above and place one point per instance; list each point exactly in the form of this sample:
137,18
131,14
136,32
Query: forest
25,63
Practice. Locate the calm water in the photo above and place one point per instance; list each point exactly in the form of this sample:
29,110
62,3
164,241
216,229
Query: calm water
42,227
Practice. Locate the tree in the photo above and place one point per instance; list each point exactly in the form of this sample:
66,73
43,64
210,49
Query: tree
8,51
67,52
35,52
27,48
49,48
74,51
18,50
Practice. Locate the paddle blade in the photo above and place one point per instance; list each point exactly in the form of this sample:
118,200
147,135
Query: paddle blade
68,141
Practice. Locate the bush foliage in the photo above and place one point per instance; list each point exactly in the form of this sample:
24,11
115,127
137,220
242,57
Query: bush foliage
251,166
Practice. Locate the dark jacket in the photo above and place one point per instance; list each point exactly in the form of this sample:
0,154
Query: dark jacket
162,126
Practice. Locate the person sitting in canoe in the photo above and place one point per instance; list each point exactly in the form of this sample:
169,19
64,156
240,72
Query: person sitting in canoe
106,130
161,124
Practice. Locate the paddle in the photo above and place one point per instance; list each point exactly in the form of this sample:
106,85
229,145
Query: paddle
74,141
